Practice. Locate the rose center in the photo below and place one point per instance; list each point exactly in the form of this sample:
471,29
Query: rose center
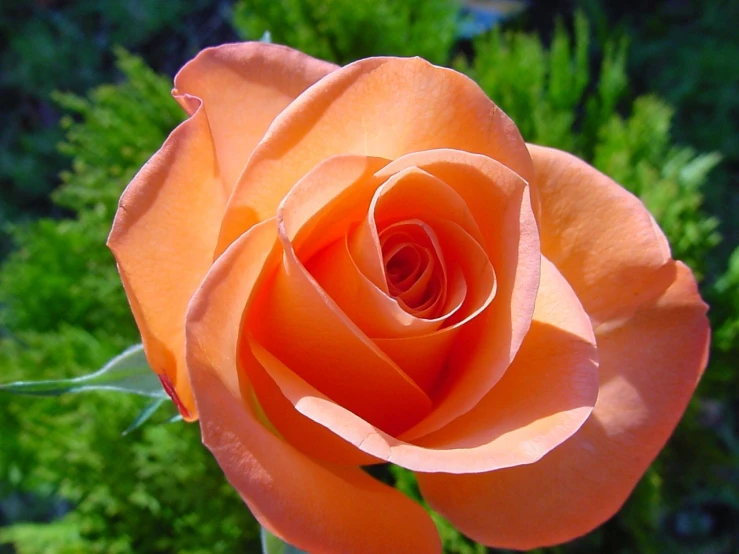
403,265
413,267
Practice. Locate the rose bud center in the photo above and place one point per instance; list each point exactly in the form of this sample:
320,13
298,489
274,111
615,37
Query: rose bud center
414,267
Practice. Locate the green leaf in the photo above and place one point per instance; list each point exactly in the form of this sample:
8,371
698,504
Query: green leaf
145,414
274,545
128,372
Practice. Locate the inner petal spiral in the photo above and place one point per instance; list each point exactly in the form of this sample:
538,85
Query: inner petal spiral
414,267
403,265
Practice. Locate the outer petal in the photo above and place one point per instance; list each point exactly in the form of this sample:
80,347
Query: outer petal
317,507
164,247
243,87
650,365
358,110
599,235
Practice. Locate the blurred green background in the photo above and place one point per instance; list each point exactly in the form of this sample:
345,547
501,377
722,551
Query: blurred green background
647,91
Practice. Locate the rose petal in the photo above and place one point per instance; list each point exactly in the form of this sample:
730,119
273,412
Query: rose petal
424,357
364,249
368,307
547,393
406,263
305,329
499,202
327,201
600,236
316,507
303,433
197,166
412,193
649,366
357,110
409,193
351,271
320,208
243,87
414,299
372,310
543,399
155,222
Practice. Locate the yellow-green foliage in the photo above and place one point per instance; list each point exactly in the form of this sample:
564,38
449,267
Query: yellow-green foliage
545,93
538,88
637,152
64,313
727,295
346,30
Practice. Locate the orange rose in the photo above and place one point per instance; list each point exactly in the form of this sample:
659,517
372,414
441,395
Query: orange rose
336,267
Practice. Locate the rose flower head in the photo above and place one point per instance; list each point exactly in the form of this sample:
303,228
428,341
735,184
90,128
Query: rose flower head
334,267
